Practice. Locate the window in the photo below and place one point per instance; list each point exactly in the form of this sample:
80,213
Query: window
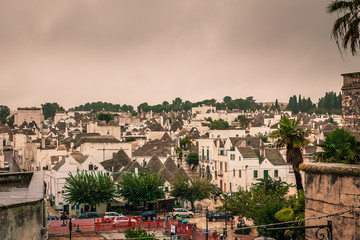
203,155
215,164
230,187
234,172
225,167
239,158
207,154
91,167
221,168
215,175
239,173
166,189
266,173
222,152
276,173
232,156
255,174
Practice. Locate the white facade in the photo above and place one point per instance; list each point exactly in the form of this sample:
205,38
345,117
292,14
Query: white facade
114,130
227,133
104,151
55,181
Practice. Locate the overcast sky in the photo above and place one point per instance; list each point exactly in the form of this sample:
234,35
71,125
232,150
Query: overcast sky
131,51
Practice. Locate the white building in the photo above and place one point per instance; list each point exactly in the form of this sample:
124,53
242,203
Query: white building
56,177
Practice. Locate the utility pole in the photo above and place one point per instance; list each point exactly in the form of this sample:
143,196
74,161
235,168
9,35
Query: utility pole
207,224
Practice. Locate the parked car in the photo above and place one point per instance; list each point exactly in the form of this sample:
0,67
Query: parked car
6,165
124,221
145,215
182,212
52,218
109,216
214,216
87,215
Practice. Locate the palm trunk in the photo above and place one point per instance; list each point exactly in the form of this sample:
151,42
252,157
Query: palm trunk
298,178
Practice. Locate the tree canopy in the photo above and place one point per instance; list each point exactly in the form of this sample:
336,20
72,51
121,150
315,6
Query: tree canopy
99,106
89,188
105,117
192,159
340,146
192,190
219,124
260,203
142,188
346,27
49,109
4,113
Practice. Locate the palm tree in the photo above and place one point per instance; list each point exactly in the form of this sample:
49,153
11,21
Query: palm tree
293,137
346,27
339,146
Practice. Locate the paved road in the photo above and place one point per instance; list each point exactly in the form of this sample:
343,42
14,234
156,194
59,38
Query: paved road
8,158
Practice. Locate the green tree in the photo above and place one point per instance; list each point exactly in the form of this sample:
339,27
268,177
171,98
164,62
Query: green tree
347,27
227,99
219,124
133,113
340,146
192,190
295,210
144,106
192,159
142,188
105,117
89,188
4,113
177,101
260,203
137,233
49,109
186,143
293,137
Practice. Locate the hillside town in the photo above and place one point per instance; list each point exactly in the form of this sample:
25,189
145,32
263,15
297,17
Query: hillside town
180,120
169,144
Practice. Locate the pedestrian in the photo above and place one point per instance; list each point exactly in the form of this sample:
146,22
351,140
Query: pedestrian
158,222
215,235
149,220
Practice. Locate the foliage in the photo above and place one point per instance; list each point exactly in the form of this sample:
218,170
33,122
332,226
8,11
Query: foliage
179,151
134,113
295,210
346,27
142,188
100,106
246,231
134,233
49,109
192,190
293,137
105,117
244,121
340,146
192,159
260,204
263,137
89,188
4,113
301,105
219,124
186,143
130,139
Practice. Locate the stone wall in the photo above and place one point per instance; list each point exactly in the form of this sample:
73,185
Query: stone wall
23,221
351,100
330,189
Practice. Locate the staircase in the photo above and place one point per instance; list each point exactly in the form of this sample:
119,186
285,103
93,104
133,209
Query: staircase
188,171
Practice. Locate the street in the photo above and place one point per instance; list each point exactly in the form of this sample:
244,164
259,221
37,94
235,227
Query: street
9,158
